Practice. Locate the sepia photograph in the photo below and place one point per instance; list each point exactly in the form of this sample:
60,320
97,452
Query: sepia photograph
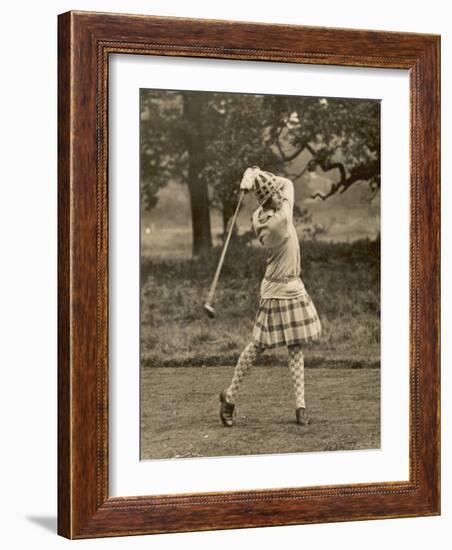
259,274
248,274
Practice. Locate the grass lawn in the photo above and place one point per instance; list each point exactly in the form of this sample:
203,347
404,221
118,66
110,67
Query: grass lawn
180,412
342,279
182,353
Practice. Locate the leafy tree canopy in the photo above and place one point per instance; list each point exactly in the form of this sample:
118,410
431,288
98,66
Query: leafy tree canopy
208,139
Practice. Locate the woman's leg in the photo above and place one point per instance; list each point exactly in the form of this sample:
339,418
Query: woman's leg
296,366
246,360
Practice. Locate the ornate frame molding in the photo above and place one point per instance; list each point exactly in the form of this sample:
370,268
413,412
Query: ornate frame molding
85,42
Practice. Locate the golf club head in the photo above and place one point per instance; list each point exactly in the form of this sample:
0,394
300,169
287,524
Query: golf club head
209,310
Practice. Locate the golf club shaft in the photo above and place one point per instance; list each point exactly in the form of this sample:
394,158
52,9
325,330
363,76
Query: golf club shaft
213,286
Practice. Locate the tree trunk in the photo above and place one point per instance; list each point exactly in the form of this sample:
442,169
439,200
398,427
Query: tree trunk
197,186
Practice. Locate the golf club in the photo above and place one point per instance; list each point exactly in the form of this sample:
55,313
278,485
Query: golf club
208,308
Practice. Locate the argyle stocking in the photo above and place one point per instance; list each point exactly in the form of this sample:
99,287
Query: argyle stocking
296,366
246,360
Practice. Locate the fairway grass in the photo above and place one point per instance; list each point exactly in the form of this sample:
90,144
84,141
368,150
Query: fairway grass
180,412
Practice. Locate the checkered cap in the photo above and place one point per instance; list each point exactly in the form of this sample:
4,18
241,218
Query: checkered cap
265,186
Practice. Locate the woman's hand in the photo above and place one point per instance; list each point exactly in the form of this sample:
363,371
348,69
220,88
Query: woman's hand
248,179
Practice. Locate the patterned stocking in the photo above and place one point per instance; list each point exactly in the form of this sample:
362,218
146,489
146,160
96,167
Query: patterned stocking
296,366
246,360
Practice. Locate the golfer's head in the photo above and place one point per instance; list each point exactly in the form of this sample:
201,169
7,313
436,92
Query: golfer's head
267,190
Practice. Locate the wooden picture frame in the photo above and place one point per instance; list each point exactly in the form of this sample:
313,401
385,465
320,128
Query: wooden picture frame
85,42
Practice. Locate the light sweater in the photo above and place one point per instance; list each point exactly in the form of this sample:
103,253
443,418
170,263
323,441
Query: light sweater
276,232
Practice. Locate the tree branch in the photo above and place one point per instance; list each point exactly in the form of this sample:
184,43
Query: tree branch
310,149
285,157
326,165
341,186
295,177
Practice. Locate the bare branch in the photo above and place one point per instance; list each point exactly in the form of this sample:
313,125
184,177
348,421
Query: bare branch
328,166
295,177
325,164
332,191
287,157
341,186
310,149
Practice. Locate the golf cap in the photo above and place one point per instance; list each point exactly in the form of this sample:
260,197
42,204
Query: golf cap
265,186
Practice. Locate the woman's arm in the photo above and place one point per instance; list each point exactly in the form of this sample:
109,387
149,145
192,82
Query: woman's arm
287,190
287,193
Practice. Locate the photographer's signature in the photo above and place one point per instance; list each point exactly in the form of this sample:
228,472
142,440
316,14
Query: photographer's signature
341,444
344,443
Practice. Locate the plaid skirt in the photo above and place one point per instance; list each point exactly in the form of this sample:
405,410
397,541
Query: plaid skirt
286,322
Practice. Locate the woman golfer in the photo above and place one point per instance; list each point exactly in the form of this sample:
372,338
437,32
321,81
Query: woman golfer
286,315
